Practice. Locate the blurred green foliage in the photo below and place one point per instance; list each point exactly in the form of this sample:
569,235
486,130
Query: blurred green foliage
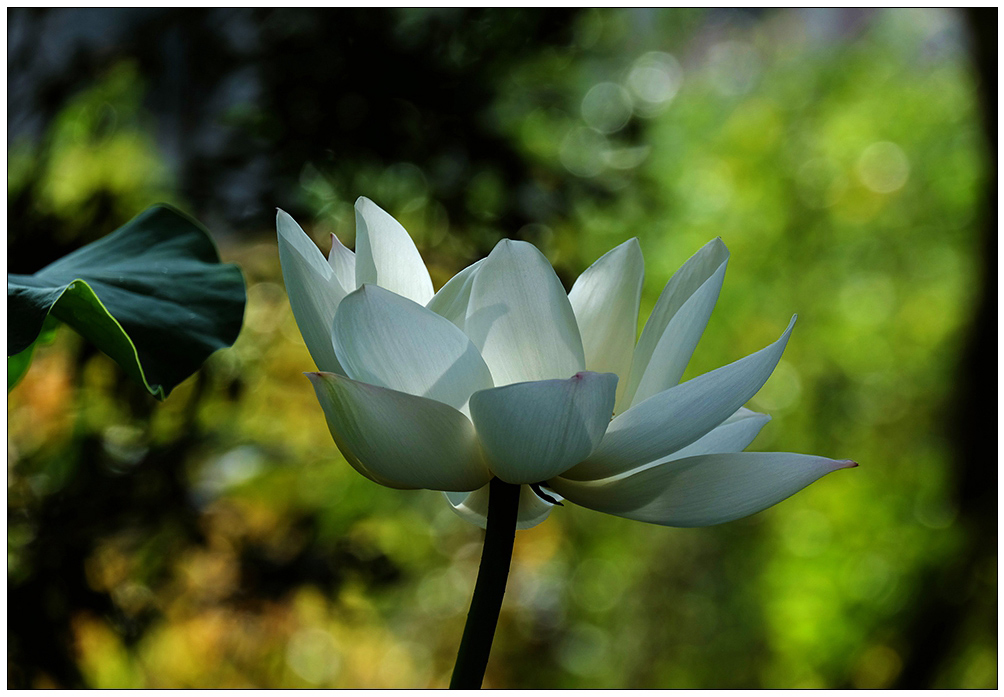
99,142
839,157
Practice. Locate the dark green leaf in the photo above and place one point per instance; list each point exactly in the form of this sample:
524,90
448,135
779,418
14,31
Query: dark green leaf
153,295
18,364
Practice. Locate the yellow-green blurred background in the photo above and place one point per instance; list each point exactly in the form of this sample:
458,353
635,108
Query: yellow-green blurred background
219,539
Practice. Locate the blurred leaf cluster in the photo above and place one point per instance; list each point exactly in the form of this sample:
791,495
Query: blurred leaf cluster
219,540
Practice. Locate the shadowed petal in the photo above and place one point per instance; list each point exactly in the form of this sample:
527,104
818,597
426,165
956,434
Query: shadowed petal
532,431
342,260
399,440
701,490
452,299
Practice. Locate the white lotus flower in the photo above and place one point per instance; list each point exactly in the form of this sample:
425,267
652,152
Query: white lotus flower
501,373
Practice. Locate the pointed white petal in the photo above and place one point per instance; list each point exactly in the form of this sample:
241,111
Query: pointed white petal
314,291
387,256
399,440
384,339
731,436
342,261
520,319
532,431
473,507
605,300
677,417
677,322
702,490
452,299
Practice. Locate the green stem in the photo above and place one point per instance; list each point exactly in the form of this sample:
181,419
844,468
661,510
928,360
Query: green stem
476,644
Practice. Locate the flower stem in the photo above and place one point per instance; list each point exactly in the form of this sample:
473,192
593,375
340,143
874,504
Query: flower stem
476,644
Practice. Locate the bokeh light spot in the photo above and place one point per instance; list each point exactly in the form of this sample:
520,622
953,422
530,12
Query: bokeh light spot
607,107
313,655
734,67
654,80
583,651
582,152
883,167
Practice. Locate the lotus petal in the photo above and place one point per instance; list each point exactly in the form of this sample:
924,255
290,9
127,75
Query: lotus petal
532,431
520,319
400,440
385,339
677,417
452,299
701,490
313,289
605,300
677,323
342,261
387,256
473,507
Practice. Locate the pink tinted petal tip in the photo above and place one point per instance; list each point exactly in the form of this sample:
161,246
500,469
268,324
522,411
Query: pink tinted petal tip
847,464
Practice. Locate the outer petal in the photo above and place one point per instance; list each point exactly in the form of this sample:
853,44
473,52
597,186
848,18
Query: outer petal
387,340
520,319
702,490
731,436
605,300
677,322
452,299
473,507
399,440
386,255
673,419
532,431
343,261
313,289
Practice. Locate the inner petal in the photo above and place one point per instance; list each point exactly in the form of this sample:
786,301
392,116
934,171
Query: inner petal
387,340
520,319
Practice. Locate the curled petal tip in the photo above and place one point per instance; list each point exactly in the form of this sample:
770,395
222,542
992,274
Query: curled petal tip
847,464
